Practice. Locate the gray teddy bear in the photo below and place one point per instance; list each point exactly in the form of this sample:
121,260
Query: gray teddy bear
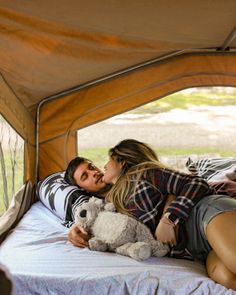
116,232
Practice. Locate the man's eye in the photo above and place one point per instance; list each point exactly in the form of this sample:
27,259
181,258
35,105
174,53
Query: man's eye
84,177
92,167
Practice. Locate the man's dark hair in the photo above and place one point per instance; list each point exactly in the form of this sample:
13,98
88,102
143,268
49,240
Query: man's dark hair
70,170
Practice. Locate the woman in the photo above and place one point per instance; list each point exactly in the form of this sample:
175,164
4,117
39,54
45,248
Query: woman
140,188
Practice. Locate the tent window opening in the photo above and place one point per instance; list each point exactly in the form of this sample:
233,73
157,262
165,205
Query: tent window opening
195,122
11,163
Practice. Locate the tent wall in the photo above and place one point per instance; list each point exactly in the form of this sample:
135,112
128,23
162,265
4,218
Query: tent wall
47,48
20,119
55,154
60,118
20,203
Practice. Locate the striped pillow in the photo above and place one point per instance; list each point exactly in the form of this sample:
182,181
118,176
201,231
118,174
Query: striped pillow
213,170
59,196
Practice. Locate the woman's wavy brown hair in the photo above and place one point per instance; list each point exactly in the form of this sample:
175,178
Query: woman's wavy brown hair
136,157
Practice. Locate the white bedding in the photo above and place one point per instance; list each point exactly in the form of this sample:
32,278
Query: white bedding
42,261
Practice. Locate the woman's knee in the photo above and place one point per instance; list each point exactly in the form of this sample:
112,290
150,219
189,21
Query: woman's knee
221,234
218,272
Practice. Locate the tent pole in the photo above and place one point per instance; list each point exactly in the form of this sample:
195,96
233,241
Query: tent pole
228,40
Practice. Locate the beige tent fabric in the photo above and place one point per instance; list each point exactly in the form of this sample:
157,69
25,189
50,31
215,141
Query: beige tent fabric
20,203
55,154
29,163
16,113
47,46
118,95
134,86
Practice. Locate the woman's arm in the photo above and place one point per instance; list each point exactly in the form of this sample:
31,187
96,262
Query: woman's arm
146,204
166,232
188,190
169,199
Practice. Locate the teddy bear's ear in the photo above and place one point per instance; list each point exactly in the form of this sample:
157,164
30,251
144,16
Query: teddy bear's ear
97,201
110,207
94,200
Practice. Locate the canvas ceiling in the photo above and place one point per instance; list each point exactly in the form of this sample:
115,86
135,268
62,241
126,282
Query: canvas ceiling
47,47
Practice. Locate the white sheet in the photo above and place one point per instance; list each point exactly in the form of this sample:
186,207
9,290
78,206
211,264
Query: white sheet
42,261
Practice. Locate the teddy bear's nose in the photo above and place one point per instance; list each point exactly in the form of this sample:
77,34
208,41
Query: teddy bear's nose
83,213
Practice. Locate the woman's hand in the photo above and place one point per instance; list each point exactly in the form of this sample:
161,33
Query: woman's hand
78,236
166,232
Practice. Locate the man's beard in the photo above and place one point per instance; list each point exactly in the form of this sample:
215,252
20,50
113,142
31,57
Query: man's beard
105,189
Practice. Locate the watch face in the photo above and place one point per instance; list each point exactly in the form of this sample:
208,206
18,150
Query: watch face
173,218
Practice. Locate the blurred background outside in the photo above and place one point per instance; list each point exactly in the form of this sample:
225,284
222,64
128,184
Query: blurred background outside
196,123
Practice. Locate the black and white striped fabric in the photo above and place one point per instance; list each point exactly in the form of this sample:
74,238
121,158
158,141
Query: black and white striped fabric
213,170
60,197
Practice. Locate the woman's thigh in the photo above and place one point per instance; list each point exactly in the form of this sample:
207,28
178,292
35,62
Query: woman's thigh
204,212
221,235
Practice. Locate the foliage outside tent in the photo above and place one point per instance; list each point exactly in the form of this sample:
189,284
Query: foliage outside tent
11,164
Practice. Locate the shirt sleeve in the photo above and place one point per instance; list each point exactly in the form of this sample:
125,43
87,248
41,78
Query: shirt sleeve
146,204
188,189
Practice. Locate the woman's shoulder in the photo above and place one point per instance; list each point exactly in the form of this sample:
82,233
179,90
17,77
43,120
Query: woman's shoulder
165,172
153,172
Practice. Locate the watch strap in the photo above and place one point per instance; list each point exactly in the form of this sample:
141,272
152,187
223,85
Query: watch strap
173,218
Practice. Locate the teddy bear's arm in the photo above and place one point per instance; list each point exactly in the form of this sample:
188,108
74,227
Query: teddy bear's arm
143,234
97,245
138,250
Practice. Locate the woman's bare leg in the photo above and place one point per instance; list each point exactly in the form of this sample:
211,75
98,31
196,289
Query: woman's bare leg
218,272
221,262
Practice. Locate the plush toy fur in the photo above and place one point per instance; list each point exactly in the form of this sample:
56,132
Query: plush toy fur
117,232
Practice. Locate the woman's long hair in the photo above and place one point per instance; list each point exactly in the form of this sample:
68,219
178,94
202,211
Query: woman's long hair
137,157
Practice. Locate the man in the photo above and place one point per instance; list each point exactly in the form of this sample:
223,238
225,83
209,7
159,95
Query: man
84,174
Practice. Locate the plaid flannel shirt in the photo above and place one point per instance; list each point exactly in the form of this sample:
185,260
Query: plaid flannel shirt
148,201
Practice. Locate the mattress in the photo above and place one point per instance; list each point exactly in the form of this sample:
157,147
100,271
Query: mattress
42,261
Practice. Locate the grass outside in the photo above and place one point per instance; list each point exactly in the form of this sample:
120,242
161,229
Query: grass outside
185,100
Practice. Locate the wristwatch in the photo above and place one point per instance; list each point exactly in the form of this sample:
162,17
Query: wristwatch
172,217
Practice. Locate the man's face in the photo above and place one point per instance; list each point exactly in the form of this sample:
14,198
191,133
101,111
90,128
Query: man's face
89,177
